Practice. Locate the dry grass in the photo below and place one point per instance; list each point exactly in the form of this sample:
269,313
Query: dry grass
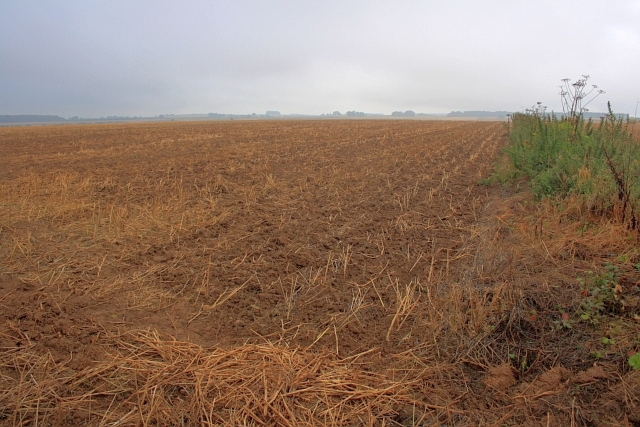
149,380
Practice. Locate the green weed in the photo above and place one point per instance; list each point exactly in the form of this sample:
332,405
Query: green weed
600,294
634,361
572,156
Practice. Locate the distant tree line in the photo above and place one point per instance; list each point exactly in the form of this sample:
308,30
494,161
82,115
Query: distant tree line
352,113
478,114
30,118
407,113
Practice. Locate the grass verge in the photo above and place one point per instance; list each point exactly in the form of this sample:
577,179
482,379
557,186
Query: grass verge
599,164
582,213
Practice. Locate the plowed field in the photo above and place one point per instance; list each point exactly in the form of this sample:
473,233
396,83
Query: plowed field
319,248
219,233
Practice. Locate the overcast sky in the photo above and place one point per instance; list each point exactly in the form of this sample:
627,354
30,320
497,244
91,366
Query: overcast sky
99,58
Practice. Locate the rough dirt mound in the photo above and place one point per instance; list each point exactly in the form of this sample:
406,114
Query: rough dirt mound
501,377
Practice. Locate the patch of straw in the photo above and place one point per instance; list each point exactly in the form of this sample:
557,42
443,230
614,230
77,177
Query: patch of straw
147,380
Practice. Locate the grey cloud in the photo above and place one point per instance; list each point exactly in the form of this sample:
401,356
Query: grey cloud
145,58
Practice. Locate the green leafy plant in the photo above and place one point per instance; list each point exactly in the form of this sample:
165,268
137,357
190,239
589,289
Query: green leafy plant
600,293
608,341
564,322
634,361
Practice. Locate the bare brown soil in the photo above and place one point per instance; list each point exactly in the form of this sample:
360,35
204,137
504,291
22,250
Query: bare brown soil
278,273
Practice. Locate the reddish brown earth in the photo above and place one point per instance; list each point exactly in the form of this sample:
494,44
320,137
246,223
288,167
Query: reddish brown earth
291,227
354,260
